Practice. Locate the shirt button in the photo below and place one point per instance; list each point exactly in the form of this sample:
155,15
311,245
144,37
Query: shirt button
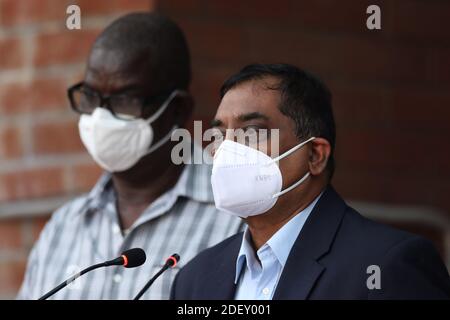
116,229
117,278
266,291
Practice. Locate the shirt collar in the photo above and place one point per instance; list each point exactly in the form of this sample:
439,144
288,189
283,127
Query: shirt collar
280,243
193,183
196,184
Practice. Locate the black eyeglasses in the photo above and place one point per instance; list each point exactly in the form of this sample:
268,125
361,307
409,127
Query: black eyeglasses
84,100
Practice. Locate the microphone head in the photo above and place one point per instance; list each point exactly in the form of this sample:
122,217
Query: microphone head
173,260
133,257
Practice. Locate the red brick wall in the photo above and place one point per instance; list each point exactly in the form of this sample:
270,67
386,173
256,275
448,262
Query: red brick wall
391,93
391,87
41,156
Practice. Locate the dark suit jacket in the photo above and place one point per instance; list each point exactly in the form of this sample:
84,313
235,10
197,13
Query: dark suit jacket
329,260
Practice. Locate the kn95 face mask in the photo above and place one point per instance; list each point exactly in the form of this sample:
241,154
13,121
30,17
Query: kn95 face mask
117,145
247,182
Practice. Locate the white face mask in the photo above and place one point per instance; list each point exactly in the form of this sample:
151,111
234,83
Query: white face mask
247,182
117,145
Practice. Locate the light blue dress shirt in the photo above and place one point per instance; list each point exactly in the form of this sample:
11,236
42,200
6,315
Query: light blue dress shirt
257,280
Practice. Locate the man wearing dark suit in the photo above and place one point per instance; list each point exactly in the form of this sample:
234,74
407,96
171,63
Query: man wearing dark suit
302,240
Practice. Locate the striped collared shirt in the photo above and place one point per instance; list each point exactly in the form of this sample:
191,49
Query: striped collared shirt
86,231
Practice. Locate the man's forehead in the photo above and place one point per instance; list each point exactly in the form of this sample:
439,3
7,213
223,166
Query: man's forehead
117,62
116,68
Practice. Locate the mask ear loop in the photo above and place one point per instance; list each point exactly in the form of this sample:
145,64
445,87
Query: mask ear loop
276,195
161,141
299,182
156,116
164,106
292,150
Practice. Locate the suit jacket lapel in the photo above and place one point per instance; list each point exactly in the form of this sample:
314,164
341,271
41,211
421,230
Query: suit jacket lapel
220,281
302,268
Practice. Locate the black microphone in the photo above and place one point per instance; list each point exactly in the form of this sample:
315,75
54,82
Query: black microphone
130,258
171,262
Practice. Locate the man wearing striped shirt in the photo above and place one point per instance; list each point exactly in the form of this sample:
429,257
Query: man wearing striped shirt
132,97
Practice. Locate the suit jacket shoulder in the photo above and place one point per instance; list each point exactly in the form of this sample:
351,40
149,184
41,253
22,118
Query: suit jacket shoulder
339,254
370,260
197,278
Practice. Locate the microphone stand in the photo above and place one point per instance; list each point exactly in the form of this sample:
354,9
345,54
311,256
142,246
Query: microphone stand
149,283
71,279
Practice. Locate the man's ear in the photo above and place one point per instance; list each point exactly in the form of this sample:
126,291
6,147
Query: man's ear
184,107
319,154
